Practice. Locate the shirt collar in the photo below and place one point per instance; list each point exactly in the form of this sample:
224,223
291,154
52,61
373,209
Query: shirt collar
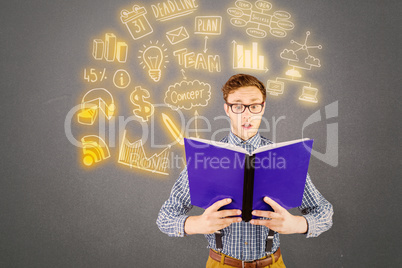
254,140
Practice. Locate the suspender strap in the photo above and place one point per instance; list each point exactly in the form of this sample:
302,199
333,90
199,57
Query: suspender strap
270,241
218,240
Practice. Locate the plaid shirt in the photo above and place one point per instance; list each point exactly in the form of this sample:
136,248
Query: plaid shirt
243,240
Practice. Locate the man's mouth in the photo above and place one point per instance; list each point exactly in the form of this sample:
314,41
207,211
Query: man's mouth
246,125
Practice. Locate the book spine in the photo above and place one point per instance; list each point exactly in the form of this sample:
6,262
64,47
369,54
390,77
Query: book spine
248,187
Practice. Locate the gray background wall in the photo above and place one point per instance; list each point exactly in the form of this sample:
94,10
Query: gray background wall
55,213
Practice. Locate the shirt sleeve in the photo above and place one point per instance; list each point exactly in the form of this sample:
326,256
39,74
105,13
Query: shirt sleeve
172,214
316,209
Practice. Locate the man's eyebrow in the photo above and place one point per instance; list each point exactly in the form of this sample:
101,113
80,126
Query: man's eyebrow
239,100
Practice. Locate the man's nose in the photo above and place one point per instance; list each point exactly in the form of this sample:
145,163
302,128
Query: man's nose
246,113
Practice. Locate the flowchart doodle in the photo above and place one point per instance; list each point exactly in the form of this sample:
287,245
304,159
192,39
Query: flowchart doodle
136,22
259,19
248,58
133,155
144,109
110,49
94,100
188,94
153,56
299,58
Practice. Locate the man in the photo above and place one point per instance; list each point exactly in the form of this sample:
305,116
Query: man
232,242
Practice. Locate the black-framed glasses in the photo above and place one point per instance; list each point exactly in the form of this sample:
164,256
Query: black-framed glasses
238,108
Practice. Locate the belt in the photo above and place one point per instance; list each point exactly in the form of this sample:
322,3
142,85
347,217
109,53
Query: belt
245,264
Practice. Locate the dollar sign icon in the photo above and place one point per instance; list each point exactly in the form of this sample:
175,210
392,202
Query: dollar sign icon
143,109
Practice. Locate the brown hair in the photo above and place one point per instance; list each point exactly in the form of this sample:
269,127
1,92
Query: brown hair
242,80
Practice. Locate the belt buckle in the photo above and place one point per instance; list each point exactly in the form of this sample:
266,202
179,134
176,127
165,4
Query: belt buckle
243,263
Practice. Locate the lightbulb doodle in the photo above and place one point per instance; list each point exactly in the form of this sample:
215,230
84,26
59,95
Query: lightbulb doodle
133,155
187,95
94,150
94,100
136,22
110,49
299,58
152,58
144,109
260,20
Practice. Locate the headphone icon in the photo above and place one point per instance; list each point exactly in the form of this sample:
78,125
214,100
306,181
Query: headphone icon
93,101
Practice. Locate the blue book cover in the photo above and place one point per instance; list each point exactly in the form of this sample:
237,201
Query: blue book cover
218,170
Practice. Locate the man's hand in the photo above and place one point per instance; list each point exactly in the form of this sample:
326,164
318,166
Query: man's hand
281,220
212,220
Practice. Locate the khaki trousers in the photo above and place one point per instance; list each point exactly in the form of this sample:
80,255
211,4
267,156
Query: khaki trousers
214,264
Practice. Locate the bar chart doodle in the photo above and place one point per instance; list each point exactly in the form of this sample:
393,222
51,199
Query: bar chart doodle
259,20
110,49
248,58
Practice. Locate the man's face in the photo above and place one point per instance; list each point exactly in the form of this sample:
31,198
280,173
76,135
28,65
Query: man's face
246,124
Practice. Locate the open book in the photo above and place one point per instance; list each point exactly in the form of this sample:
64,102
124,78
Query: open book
218,170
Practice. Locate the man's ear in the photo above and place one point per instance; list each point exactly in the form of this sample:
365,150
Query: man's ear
226,107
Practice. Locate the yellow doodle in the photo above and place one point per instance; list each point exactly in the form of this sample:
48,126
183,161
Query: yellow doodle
121,78
202,61
153,56
144,109
94,150
133,155
177,35
174,131
94,100
136,22
110,49
210,25
186,95
248,58
172,9
299,58
260,19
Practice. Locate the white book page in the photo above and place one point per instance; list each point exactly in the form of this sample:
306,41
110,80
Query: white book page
277,145
222,145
